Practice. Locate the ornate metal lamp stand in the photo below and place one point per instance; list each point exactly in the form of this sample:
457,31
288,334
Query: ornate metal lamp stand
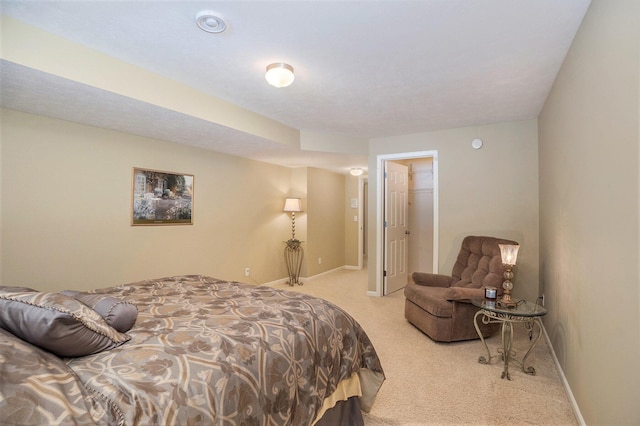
293,255
293,252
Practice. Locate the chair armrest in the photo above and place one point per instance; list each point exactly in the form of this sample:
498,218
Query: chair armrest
431,280
463,294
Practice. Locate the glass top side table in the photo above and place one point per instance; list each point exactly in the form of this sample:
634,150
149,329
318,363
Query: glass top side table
526,313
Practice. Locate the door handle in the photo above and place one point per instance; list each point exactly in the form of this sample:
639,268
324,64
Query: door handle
407,232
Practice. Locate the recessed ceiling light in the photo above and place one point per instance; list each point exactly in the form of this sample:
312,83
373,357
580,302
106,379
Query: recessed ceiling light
210,22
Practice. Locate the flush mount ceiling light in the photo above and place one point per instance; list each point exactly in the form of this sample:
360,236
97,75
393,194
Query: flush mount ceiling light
279,74
356,171
210,22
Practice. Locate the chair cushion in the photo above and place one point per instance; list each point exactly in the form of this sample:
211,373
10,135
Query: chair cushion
464,293
430,299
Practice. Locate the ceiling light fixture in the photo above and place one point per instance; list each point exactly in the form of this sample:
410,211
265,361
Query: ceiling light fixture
279,74
356,171
210,22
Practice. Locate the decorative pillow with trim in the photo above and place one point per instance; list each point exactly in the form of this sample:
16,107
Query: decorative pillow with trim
118,313
4,288
57,323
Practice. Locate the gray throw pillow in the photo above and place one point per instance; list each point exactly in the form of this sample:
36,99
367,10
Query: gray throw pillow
118,313
57,323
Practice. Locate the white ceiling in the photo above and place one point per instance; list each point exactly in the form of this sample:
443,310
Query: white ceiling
364,69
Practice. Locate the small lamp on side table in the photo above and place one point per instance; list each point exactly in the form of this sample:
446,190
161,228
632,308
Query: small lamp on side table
509,254
293,252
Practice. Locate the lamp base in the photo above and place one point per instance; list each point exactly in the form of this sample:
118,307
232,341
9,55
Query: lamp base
507,302
293,255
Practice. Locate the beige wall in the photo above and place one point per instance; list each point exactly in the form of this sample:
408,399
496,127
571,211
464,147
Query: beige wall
491,191
589,139
325,221
66,204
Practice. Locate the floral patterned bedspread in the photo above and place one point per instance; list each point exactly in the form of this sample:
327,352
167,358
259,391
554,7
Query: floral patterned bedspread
38,388
206,351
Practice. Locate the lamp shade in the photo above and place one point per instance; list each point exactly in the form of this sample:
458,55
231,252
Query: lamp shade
509,253
279,74
292,205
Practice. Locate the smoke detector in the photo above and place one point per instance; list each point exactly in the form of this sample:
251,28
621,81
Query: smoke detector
210,22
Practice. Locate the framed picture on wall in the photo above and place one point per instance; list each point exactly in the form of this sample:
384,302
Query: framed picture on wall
161,198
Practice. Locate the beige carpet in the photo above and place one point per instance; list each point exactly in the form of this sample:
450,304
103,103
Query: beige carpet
430,383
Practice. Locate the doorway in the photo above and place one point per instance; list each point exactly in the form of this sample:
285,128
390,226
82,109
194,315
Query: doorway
421,246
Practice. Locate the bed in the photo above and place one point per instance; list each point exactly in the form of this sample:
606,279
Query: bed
199,351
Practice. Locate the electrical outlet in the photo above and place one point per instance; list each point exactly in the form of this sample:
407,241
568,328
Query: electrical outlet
319,261
246,272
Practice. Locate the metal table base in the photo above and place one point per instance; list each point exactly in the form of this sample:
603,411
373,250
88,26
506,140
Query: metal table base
527,314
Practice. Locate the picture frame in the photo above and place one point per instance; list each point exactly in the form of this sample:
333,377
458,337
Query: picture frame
161,198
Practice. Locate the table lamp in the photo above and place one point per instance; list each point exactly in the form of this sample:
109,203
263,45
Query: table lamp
293,205
509,254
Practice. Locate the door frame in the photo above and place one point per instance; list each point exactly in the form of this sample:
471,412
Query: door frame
361,224
380,159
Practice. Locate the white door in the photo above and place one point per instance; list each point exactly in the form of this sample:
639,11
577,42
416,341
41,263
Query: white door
395,226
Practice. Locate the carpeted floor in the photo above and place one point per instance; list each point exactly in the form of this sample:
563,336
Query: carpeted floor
429,383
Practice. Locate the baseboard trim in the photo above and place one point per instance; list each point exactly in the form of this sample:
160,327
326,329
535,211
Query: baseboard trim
284,280
563,378
274,283
326,272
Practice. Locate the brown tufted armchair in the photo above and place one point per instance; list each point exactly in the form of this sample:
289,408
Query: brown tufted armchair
439,305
